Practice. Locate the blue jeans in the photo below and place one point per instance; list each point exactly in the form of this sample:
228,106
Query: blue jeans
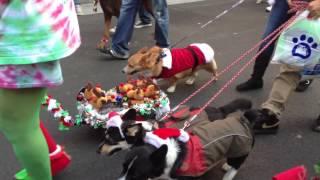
76,2
144,15
278,16
126,21
161,16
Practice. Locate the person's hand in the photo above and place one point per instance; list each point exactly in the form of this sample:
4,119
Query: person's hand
314,9
289,2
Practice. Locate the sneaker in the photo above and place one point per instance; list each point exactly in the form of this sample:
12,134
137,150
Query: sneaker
251,84
266,122
115,54
79,10
22,175
113,30
303,85
140,24
269,8
316,126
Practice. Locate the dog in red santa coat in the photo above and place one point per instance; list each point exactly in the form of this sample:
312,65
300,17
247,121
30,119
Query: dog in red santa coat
173,64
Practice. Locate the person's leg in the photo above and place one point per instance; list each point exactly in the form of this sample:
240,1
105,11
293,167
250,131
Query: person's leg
76,2
279,15
124,31
59,159
144,16
161,15
19,121
282,87
78,7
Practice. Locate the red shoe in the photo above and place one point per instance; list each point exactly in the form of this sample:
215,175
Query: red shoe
296,173
59,160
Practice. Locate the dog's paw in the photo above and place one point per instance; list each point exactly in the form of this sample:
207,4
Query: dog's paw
226,167
190,80
171,89
230,174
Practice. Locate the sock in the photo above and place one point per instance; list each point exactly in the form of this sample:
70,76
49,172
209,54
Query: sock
52,145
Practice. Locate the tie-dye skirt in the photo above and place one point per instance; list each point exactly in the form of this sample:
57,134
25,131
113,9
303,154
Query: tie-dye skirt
47,74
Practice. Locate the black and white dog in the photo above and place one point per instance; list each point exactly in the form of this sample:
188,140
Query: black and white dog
210,142
124,132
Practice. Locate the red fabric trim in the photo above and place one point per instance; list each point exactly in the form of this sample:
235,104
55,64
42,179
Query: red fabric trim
182,59
165,133
194,163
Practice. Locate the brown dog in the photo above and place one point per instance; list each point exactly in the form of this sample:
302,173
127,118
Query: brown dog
173,64
112,8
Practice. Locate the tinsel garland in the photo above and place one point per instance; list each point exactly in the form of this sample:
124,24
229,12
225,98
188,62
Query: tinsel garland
91,116
55,107
87,114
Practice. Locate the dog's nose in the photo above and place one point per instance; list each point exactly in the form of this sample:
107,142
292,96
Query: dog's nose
123,71
98,151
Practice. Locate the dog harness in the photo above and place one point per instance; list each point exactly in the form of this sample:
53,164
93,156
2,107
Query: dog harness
180,59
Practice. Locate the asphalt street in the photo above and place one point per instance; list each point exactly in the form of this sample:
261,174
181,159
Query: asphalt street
231,35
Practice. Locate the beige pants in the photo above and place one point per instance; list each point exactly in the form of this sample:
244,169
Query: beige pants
283,85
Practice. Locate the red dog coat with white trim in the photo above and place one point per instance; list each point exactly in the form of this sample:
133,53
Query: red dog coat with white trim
180,59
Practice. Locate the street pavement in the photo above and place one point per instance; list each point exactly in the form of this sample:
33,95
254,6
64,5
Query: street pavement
231,35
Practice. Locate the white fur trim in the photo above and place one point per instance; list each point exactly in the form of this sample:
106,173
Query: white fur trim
167,60
146,125
207,51
55,152
154,140
184,136
115,121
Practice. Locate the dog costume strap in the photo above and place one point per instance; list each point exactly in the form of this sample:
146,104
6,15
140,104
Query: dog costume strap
195,57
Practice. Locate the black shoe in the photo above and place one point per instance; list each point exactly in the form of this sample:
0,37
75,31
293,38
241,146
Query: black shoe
266,122
316,126
303,85
251,84
140,24
115,54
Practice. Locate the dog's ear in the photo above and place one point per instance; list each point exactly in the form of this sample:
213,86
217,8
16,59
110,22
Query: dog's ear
134,129
154,54
159,155
144,62
129,115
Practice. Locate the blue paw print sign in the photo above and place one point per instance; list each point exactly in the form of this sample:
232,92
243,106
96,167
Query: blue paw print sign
299,45
304,46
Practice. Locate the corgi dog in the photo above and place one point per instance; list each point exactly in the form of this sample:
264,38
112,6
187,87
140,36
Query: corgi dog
173,64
